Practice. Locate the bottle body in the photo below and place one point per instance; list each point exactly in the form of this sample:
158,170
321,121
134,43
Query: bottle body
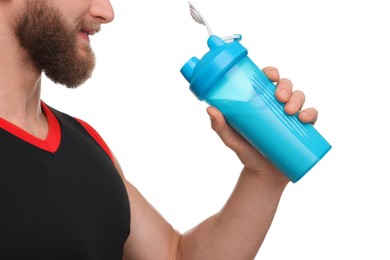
245,96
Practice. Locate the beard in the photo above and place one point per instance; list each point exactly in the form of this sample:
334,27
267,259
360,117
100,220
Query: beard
52,44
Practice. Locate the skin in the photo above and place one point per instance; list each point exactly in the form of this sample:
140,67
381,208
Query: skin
236,231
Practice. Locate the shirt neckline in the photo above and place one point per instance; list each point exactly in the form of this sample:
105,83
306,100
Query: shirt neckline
53,138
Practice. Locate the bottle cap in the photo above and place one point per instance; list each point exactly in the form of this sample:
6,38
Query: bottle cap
204,73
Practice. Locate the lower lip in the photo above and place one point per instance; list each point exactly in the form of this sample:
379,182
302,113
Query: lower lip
84,36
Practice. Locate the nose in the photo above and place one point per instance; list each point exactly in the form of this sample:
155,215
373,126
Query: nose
102,10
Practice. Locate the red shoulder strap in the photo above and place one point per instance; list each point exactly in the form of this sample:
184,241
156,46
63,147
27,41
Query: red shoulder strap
97,138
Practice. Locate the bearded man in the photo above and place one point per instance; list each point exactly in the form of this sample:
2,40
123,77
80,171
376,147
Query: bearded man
63,194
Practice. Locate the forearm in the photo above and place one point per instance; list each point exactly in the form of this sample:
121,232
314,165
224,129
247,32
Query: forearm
239,229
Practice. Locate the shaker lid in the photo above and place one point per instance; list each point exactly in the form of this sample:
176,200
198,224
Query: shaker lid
203,74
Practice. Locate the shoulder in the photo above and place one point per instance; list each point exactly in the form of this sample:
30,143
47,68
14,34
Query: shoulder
96,136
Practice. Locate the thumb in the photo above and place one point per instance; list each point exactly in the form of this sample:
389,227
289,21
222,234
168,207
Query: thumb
218,123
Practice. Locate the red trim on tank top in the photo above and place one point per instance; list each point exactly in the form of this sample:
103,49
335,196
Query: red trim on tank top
53,138
97,138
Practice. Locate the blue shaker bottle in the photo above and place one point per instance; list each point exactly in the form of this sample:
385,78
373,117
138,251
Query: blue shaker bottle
229,80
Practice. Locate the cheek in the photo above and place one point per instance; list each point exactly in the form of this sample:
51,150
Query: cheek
73,11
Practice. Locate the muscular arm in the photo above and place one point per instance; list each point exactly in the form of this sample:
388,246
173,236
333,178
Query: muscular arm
151,236
239,228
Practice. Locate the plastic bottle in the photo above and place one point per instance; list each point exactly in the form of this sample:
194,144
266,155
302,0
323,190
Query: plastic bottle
225,77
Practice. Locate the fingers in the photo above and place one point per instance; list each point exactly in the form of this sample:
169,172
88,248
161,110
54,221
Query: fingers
272,73
294,100
309,115
283,90
295,103
284,86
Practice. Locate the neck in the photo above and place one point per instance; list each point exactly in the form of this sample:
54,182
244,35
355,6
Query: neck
20,89
20,105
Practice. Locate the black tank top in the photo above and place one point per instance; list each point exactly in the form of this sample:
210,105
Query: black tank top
61,201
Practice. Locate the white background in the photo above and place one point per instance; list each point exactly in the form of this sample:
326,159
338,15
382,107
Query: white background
337,52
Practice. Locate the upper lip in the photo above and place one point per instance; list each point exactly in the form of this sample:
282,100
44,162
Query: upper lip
90,31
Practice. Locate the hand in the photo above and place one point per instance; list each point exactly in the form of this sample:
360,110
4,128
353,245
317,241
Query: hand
253,160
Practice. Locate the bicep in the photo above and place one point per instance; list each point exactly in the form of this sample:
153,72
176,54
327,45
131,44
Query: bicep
151,236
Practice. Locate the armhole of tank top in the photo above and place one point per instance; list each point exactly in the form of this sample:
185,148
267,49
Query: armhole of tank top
95,135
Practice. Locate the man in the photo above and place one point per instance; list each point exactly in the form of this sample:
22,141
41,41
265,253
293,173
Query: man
63,194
